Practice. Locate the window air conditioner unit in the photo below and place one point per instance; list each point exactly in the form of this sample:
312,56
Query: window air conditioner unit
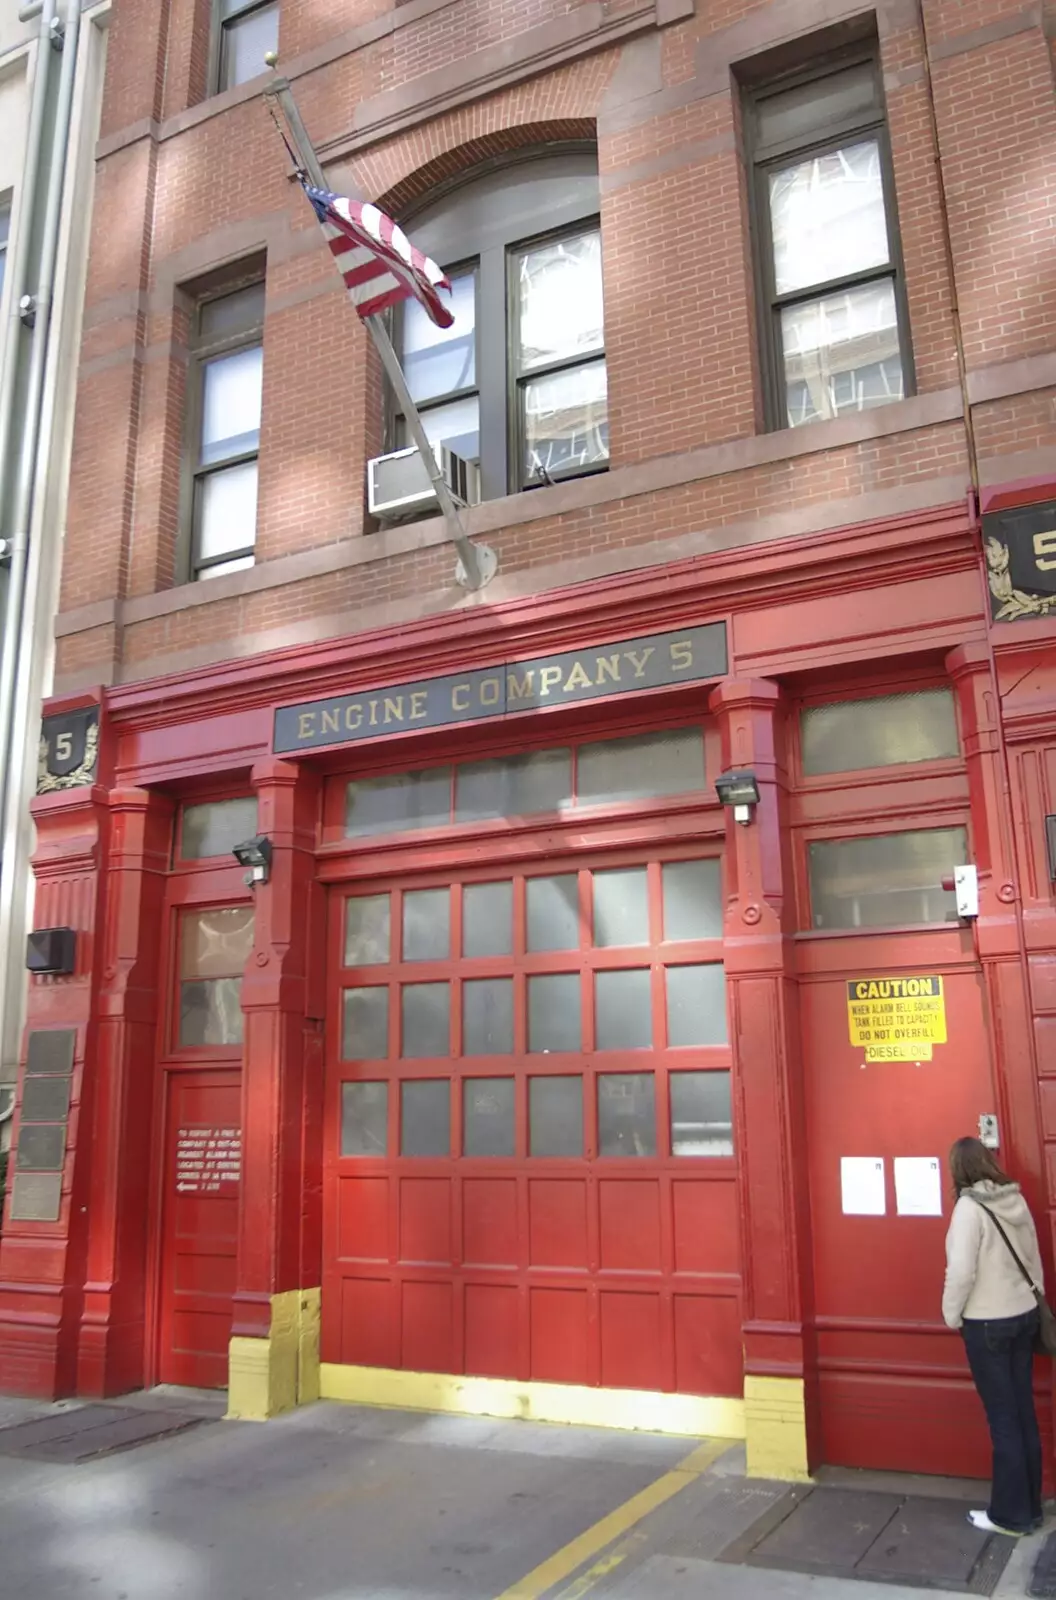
398,485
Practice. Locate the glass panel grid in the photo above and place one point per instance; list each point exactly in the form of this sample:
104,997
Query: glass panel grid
214,827
368,940
885,880
364,1119
882,731
425,1117
627,1114
488,1117
701,1114
555,1116
426,1024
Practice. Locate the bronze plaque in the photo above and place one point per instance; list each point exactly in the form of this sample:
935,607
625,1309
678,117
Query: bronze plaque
45,1100
50,1050
36,1197
41,1147
69,750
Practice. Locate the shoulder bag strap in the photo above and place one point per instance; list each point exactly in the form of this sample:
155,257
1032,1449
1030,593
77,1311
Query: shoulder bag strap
1010,1247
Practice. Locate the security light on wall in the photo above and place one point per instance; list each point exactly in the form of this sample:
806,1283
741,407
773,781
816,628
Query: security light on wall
255,854
739,790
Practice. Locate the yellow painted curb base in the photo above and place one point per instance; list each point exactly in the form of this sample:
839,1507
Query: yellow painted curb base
685,1415
776,1428
272,1375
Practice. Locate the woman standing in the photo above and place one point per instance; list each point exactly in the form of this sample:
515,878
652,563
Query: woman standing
988,1298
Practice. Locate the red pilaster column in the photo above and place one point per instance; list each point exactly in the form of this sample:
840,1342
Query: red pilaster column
274,1349
112,1348
780,1403
42,1256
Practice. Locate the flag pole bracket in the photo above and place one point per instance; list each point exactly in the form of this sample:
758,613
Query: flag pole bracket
477,563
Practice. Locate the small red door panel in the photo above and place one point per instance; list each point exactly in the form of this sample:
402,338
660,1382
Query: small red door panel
199,1227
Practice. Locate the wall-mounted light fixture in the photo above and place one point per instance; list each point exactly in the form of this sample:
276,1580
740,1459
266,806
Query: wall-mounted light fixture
739,790
256,855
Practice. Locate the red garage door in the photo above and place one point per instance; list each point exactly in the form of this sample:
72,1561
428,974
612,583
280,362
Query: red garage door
530,1169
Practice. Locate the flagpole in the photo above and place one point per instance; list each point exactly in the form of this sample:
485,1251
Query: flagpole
477,563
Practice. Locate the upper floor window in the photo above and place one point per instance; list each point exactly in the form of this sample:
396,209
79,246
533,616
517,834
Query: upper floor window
226,395
247,30
833,314
518,383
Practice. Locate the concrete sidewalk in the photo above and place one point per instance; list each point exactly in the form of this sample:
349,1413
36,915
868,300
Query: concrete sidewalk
347,1503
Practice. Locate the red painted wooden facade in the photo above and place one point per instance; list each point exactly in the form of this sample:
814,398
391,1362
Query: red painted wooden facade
657,1273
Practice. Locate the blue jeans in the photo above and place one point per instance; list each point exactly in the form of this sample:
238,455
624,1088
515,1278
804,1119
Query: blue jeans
1001,1356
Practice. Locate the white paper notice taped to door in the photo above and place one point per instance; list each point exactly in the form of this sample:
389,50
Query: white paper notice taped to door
863,1187
918,1186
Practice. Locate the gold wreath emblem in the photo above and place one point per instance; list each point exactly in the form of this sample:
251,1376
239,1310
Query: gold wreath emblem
1012,603
48,782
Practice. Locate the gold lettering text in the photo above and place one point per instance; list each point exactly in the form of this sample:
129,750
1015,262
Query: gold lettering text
638,658
460,697
681,655
519,688
1045,545
418,705
608,667
490,690
548,677
353,716
331,722
394,709
373,713
577,679
306,725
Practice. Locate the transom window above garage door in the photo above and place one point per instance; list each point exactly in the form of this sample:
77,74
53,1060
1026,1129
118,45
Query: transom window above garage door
607,772
568,1012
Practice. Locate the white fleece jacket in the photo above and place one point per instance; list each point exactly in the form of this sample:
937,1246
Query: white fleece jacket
982,1280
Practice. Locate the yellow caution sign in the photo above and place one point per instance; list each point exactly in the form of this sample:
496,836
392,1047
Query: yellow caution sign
896,1019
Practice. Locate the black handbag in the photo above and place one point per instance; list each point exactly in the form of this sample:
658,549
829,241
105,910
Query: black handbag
1045,1340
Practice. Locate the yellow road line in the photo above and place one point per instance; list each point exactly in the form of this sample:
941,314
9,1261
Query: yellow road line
564,1562
601,1568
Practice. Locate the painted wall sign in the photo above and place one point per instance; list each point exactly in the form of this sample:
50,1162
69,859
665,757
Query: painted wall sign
896,1019
1021,560
206,1158
69,750
627,666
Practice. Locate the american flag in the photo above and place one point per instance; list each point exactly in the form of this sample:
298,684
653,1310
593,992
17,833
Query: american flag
378,262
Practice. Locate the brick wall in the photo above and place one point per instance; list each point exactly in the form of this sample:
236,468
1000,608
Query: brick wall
398,98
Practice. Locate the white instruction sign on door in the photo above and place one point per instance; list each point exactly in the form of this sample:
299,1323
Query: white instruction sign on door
862,1183
918,1186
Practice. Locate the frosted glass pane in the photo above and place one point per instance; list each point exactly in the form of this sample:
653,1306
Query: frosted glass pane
696,1005
827,217
426,924
210,1012
227,510
555,1115
621,907
487,1017
425,1118
231,397
441,360
398,802
627,1114
215,944
364,1119
487,1117
841,353
554,1013
426,1020
701,1114
623,1018
366,1024
553,912
886,881
560,310
367,931
214,828
692,900
487,919
888,730
513,786
639,767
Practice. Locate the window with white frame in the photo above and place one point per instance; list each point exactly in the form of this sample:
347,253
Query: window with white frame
246,31
228,359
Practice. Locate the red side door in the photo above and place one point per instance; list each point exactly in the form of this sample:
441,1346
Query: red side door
199,1226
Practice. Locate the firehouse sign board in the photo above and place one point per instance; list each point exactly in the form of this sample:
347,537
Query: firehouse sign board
654,661
896,1019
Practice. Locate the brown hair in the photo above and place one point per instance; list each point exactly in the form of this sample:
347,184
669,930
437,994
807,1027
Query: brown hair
970,1162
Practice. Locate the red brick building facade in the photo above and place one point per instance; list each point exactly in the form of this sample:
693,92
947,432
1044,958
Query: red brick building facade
790,474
